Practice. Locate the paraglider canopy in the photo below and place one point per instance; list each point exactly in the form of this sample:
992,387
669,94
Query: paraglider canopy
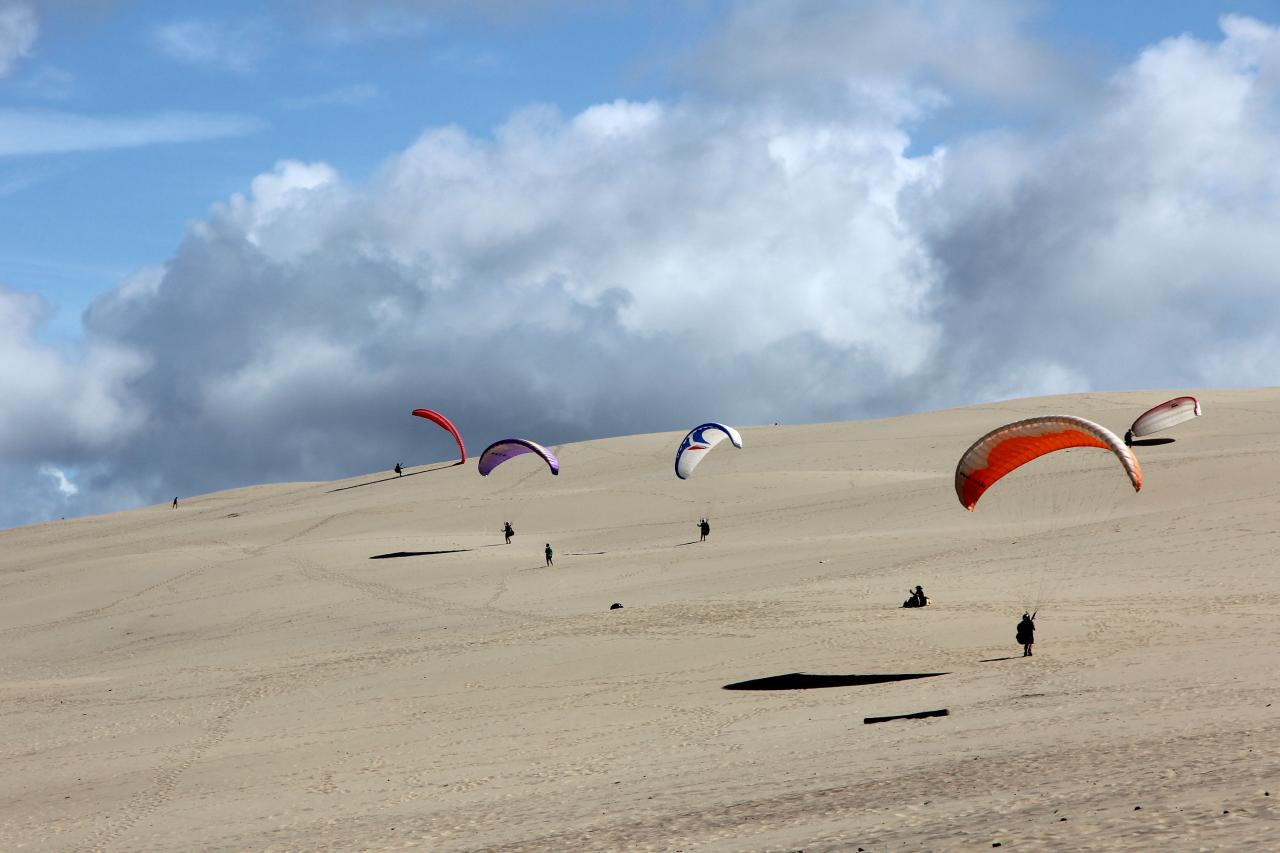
509,448
698,443
440,420
1013,445
1167,414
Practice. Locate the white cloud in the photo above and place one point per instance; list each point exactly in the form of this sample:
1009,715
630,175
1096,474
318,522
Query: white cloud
58,402
19,28
909,52
65,486
25,132
236,46
1131,249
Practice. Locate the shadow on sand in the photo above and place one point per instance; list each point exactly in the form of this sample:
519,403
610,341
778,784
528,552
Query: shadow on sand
1150,442
805,681
993,660
918,715
690,542
396,554
395,477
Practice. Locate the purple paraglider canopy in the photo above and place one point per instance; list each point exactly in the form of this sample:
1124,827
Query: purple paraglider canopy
509,448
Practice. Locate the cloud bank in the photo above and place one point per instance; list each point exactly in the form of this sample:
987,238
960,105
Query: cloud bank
644,265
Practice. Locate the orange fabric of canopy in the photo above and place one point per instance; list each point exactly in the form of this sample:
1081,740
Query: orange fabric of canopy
1009,447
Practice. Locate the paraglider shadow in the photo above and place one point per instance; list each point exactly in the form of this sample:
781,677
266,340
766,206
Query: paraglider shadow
690,542
917,715
385,479
1150,442
993,660
806,681
396,554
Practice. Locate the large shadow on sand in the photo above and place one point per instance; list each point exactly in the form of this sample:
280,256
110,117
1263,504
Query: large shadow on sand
406,475
1150,442
806,681
397,554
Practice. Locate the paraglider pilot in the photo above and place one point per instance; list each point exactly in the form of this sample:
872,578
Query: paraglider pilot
399,470
508,531
1027,633
704,527
548,552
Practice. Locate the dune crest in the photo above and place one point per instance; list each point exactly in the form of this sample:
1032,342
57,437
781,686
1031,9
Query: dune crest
365,664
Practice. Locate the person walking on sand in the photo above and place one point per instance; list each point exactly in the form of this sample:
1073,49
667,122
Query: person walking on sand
704,527
549,563
1027,633
175,503
399,470
508,531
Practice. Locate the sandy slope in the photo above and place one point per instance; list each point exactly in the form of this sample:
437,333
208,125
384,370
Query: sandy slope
240,674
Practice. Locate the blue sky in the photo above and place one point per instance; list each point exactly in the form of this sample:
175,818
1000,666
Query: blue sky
211,213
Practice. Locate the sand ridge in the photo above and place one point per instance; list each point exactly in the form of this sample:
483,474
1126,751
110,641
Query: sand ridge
364,665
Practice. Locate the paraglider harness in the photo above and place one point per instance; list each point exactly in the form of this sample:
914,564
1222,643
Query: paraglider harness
1026,630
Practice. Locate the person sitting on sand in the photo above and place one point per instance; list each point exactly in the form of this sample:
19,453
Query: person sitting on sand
508,531
916,598
548,552
704,527
1027,633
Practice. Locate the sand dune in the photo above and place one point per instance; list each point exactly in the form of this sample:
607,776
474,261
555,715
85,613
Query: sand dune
364,665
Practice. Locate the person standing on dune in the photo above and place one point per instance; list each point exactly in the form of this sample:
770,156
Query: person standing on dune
508,531
549,563
1027,633
704,527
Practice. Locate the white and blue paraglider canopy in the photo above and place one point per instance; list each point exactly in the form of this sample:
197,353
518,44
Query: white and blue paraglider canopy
698,443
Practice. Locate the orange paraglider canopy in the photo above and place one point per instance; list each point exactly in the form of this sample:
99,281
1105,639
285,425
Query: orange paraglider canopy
440,420
1013,445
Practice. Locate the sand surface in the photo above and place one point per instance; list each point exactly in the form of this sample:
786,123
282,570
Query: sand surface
250,672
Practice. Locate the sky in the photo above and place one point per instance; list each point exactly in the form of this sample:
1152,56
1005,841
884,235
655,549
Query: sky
239,242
